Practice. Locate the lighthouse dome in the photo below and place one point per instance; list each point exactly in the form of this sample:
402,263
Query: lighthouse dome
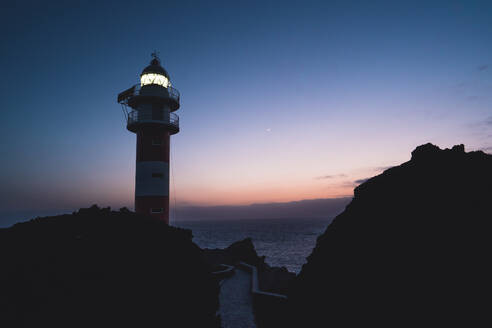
155,74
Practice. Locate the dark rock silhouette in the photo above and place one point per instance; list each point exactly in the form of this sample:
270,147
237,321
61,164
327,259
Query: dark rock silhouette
272,279
411,249
242,250
98,268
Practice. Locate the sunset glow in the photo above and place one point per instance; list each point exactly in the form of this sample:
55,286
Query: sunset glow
301,105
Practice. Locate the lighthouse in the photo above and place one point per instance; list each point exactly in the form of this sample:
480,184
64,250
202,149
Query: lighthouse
149,110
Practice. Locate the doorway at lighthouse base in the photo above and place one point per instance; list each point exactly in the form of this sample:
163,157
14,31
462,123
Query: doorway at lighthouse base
157,206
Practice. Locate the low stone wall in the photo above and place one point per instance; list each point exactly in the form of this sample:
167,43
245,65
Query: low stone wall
268,307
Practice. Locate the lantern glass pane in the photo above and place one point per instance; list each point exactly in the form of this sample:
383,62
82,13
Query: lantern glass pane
152,78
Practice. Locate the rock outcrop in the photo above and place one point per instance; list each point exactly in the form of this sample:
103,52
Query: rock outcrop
242,250
411,249
271,279
100,268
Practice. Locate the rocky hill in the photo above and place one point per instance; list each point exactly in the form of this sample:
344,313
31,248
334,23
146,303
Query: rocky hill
100,268
411,249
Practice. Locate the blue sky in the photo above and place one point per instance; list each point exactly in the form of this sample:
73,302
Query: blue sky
274,95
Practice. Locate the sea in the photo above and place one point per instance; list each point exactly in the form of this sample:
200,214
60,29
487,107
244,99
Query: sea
284,242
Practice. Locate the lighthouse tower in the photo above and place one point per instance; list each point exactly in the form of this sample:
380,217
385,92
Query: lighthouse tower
149,109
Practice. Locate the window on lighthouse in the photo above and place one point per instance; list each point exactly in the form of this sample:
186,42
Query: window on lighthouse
153,78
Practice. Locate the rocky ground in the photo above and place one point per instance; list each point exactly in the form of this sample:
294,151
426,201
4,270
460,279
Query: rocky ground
99,267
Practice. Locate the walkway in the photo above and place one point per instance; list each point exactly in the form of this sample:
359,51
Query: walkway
236,307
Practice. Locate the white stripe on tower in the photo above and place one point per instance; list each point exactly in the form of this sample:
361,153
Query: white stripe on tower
152,179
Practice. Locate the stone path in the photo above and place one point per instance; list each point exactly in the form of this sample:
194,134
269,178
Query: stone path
236,307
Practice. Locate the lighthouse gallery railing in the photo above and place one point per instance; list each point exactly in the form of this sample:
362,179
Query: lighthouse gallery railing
135,117
124,96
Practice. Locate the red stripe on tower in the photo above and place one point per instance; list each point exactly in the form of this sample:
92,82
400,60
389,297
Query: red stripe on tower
149,107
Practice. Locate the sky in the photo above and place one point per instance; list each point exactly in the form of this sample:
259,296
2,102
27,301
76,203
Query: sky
280,101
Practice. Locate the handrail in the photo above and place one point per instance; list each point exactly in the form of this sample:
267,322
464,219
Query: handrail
255,286
227,271
135,90
143,117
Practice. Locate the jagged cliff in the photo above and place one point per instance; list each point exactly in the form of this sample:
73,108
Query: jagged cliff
411,249
100,268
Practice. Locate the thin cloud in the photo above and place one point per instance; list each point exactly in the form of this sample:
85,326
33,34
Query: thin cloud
324,177
353,184
482,68
347,184
483,126
487,149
